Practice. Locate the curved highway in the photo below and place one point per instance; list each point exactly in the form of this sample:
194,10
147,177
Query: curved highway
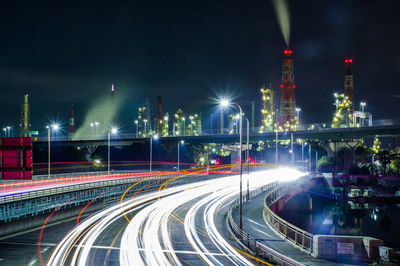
180,225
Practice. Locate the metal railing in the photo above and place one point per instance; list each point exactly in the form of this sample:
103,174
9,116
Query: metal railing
249,241
297,236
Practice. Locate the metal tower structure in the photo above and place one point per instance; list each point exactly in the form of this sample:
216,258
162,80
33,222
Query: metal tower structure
25,126
142,121
71,131
267,110
287,118
348,82
159,115
147,116
165,126
179,123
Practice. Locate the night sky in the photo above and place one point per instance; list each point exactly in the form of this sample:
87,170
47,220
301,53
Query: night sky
191,51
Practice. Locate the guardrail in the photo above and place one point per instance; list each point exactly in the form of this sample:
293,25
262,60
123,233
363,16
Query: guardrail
297,236
44,192
247,240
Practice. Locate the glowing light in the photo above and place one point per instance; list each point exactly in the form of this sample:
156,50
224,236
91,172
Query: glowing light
155,136
114,131
55,127
224,103
112,87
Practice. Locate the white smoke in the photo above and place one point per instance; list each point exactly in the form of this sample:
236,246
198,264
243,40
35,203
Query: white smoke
104,112
282,13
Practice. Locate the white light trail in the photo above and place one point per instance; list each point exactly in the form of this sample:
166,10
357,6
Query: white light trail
147,240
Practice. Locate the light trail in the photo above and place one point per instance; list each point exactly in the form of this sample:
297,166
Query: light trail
148,239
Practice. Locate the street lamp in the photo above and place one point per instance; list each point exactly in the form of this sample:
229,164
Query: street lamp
137,132
362,104
191,124
298,115
211,124
225,103
5,131
97,128
151,149
91,126
247,157
54,127
8,131
180,142
113,131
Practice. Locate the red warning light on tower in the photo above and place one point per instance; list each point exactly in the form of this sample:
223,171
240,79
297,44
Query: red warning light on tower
288,52
348,61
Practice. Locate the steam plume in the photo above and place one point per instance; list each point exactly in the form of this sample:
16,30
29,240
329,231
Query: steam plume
282,13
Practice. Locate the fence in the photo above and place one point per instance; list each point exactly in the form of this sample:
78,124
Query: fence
246,239
299,237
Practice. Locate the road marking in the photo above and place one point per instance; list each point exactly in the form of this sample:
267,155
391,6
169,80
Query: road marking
254,222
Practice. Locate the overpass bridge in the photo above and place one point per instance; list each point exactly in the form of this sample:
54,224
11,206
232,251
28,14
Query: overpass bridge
328,134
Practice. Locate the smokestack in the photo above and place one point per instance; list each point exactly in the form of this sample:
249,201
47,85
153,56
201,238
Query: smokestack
159,114
348,82
71,131
25,123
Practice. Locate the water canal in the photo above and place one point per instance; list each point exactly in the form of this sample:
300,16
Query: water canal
321,215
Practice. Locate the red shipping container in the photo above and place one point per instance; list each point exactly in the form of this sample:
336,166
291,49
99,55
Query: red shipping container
10,175
10,159
27,141
7,142
27,174
28,158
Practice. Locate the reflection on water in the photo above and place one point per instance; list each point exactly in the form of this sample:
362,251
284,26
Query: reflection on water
333,217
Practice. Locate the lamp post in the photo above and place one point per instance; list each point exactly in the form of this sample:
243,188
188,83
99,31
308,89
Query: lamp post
362,104
91,126
211,124
180,142
137,132
302,154
191,124
113,131
247,157
151,149
225,103
97,128
276,146
51,127
291,149
298,115
8,131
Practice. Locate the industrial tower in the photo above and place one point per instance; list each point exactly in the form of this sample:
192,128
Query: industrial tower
267,111
348,82
159,115
287,118
25,126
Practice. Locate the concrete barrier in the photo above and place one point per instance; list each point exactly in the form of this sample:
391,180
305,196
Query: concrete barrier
346,247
